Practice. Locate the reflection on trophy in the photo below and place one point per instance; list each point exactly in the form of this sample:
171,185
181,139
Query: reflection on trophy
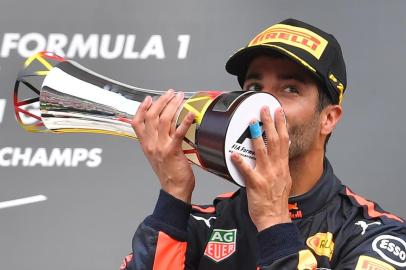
72,98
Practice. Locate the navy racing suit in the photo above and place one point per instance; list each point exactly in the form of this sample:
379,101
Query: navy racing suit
332,228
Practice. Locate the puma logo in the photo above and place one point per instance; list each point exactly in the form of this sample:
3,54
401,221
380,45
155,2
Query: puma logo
206,221
365,225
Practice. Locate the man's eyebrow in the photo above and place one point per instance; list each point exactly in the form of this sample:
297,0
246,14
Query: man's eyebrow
253,76
288,76
293,76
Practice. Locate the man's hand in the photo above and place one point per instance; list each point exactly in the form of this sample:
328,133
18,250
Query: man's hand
268,184
161,142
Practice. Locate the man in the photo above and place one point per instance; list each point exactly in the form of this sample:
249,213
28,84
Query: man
294,213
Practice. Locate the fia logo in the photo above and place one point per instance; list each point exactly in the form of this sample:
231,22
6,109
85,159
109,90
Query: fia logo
245,149
247,135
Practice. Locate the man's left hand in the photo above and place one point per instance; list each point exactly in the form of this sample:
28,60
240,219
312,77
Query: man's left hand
269,183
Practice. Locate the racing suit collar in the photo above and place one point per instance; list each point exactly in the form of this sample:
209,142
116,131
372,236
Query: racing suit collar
318,197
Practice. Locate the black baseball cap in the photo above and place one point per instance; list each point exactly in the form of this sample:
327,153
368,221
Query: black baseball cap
309,46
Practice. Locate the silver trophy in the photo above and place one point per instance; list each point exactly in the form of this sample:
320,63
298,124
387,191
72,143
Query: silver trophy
70,98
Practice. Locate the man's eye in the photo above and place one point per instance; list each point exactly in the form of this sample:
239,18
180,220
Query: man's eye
291,89
254,87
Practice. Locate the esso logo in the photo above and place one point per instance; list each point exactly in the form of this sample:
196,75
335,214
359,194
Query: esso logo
391,249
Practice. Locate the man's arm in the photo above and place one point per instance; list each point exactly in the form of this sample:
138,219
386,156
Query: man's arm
160,242
169,238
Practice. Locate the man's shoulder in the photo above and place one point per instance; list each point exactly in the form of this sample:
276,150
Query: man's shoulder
363,221
357,206
364,228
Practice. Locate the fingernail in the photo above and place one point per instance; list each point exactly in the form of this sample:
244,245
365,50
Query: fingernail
170,92
146,100
255,130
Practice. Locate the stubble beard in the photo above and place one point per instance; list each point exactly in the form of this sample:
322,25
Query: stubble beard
302,137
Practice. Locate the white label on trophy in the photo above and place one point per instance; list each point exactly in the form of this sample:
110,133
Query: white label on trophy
238,137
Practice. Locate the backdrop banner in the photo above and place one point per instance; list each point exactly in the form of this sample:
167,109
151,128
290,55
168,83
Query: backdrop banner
73,201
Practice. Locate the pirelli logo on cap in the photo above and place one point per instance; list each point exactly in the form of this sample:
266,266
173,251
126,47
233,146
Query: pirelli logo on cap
369,263
295,36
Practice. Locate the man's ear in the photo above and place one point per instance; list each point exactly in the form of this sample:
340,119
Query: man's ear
330,116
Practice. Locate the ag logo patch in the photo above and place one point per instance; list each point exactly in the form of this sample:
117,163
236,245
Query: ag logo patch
369,263
221,245
392,249
322,244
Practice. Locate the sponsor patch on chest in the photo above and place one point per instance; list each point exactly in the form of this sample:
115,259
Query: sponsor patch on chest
222,244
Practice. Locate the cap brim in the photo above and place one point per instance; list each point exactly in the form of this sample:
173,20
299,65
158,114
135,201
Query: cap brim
238,63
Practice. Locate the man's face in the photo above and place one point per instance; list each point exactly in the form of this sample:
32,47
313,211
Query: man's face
296,90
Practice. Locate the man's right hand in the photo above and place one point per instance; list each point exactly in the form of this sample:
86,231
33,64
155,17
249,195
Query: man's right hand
155,125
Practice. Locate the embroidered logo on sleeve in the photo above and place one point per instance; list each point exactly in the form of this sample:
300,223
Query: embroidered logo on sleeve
222,244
